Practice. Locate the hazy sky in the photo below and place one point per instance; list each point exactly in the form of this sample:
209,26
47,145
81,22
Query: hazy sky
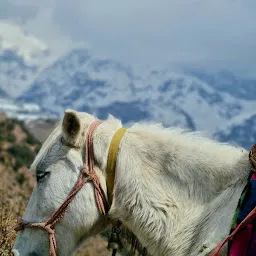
216,34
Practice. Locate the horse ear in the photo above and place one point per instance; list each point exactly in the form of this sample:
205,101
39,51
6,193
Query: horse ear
71,126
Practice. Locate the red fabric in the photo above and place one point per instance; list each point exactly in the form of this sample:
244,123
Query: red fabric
240,242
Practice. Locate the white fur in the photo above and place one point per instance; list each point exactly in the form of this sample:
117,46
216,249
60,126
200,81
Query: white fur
176,191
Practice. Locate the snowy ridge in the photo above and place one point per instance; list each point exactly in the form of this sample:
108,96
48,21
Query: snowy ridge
100,86
26,112
221,104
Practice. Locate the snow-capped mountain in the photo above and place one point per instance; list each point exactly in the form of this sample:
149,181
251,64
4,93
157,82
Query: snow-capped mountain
243,88
243,133
221,104
21,58
78,80
23,111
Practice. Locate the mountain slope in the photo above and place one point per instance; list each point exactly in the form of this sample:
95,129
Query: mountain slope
242,88
79,81
243,134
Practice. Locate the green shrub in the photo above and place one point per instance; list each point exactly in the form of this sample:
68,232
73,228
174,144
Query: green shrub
21,124
31,139
10,126
2,137
37,148
20,178
23,155
2,123
11,137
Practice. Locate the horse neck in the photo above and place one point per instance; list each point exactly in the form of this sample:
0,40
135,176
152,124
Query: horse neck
165,197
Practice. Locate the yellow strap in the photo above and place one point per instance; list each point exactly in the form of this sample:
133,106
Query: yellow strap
111,164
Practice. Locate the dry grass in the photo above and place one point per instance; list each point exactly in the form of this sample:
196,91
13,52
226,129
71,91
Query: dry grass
9,212
13,199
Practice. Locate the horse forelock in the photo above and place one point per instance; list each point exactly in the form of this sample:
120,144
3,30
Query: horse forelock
46,147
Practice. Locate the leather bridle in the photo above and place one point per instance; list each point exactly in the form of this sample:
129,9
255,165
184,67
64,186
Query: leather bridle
87,175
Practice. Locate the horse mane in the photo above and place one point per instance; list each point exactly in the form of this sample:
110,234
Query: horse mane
197,138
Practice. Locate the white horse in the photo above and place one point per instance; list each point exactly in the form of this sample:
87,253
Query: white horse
176,191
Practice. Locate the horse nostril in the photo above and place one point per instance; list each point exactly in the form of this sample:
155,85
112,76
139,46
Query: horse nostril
32,254
15,253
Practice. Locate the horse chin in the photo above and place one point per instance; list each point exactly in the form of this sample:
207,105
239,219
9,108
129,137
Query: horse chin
16,253
30,244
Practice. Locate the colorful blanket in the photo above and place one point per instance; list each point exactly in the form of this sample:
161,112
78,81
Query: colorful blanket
244,242
242,237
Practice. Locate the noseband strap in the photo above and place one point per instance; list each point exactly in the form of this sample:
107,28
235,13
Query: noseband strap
87,174
43,225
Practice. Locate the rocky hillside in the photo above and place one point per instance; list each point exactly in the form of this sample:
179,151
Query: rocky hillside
17,150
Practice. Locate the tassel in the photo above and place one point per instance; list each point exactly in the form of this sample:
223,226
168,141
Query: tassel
114,252
114,242
128,239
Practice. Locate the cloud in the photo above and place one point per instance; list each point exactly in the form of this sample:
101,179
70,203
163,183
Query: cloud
215,34
16,12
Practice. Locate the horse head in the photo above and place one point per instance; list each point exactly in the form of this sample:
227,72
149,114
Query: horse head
57,168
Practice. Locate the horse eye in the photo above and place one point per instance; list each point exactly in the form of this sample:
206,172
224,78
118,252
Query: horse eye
40,176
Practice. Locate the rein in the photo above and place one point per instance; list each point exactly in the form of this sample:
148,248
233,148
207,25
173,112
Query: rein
88,174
